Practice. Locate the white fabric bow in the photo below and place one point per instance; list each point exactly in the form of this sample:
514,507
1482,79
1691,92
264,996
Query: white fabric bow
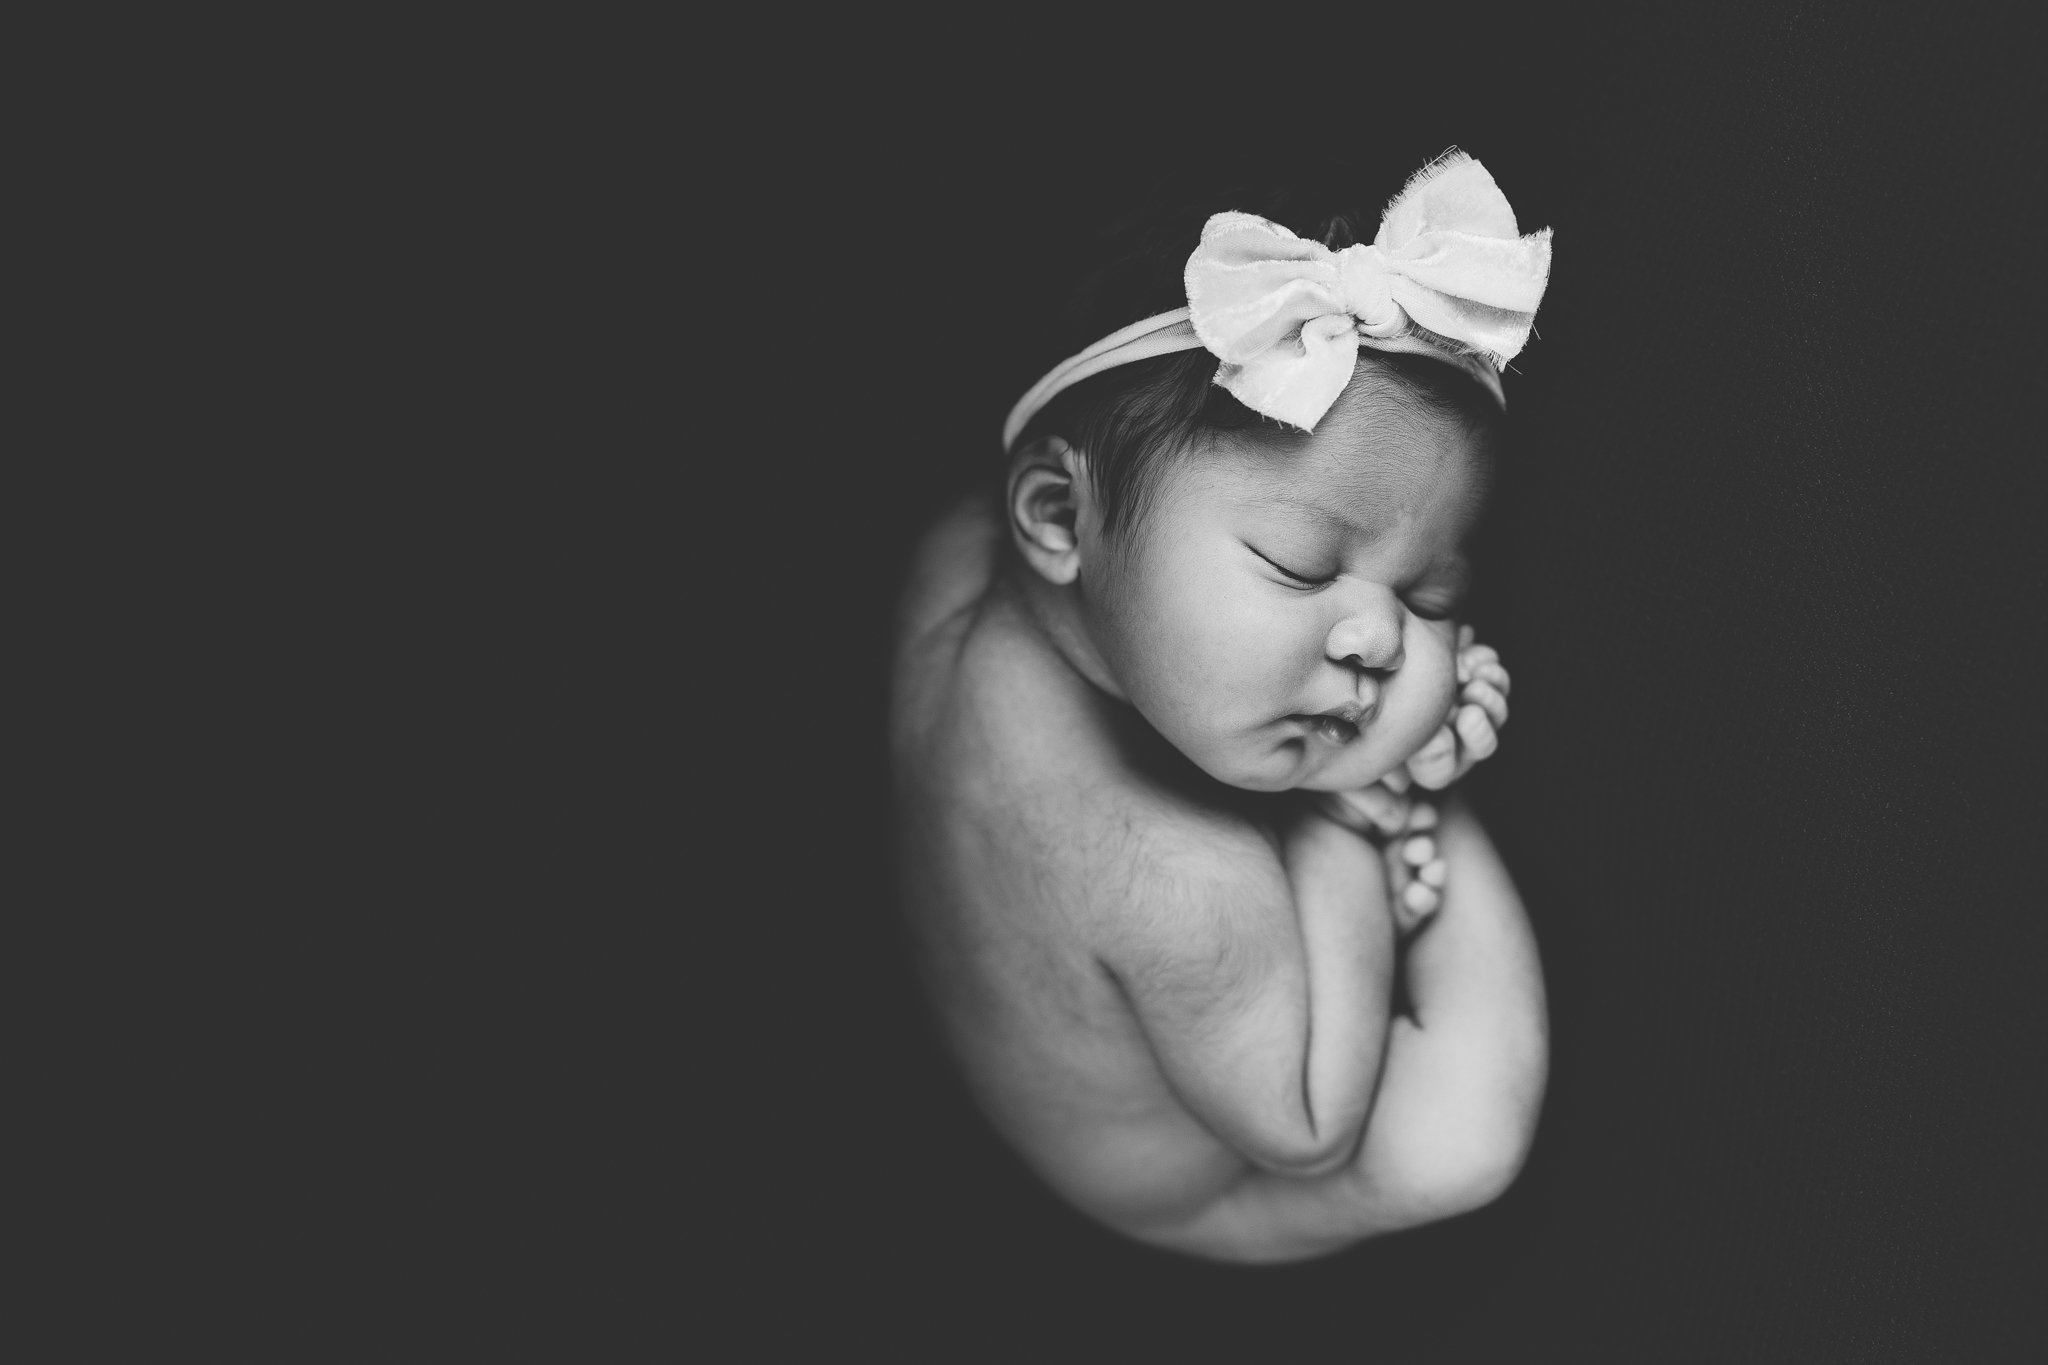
1448,274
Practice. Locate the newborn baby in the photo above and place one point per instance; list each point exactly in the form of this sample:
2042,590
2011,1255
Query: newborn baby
1204,962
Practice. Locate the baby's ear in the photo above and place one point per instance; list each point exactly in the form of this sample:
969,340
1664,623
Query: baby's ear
1048,493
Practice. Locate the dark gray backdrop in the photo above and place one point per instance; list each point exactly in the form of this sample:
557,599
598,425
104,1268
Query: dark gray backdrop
1769,581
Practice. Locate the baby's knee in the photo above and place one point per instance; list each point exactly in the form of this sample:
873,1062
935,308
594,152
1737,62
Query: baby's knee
1464,1169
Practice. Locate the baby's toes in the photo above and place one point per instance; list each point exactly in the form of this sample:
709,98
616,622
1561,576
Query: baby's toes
1418,902
1418,850
1418,871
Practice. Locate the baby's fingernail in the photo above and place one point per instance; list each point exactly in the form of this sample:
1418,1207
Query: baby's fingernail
1434,872
1419,850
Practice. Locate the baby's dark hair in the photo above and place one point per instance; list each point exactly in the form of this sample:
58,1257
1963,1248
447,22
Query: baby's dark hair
1131,420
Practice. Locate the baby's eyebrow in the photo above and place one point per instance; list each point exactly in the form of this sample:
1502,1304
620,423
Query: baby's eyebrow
1284,501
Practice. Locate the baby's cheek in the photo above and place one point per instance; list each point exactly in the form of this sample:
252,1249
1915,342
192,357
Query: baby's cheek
1248,655
1431,675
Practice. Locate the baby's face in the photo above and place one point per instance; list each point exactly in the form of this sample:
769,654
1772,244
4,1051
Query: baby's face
1284,615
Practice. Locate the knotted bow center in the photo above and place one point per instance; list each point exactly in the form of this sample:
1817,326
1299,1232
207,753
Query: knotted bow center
1368,290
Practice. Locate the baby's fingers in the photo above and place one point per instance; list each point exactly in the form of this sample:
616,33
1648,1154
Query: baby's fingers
1490,671
1487,698
1472,658
1435,764
1475,734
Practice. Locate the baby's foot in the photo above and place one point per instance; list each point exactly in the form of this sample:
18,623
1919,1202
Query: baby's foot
1418,869
1403,825
1379,809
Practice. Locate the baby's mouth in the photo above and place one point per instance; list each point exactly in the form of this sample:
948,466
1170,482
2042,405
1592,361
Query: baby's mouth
1333,729
1338,726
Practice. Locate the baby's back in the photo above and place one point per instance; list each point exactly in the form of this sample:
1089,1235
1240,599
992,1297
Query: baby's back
1030,846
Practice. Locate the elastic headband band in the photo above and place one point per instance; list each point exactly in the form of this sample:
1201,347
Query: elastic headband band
1449,276
1171,332
1161,335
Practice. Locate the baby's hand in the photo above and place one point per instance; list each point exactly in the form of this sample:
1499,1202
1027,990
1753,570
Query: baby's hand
1390,811
1471,733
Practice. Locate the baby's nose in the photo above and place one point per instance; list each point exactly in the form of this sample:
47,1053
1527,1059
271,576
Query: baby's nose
1368,635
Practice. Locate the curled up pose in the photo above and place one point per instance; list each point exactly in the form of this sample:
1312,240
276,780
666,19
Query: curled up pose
1174,714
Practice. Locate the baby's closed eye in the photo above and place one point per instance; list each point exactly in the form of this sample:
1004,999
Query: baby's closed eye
1434,604
1294,577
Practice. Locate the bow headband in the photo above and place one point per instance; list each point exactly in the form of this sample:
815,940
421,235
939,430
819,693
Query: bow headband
1448,276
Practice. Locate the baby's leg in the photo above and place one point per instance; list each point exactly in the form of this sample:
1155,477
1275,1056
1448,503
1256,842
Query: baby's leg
1464,1078
1458,1092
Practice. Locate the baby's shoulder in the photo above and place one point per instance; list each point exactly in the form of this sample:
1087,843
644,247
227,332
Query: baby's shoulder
1047,786
951,570
1000,749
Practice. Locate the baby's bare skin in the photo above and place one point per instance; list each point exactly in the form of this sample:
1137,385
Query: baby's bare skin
1170,993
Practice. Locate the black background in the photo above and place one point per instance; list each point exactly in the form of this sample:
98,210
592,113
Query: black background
1769,579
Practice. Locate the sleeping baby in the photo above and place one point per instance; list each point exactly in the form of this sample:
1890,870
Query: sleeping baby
1171,706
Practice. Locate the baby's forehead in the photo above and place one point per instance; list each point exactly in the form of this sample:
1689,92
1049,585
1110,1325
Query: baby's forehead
1366,461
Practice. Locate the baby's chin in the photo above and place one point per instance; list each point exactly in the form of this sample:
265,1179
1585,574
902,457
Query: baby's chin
1347,773
1296,765
1317,764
